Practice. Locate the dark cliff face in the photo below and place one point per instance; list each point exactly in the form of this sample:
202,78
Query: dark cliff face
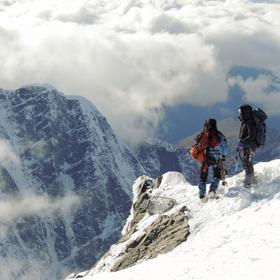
64,146
159,158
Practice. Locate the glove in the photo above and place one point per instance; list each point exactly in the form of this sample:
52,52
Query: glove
241,145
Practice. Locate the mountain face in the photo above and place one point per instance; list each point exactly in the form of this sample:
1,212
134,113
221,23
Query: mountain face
160,157
65,146
65,182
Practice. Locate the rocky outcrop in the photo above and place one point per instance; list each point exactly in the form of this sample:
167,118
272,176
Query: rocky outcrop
144,235
162,236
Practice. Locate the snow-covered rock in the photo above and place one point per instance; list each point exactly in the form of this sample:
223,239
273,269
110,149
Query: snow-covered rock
156,225
234,237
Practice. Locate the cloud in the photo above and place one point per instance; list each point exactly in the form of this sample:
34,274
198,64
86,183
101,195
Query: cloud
21,269
14,208
135,57
6,154
167,24
20,264
265,1
83,16
262,91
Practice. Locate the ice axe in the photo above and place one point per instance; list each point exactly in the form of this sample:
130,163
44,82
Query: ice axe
223,172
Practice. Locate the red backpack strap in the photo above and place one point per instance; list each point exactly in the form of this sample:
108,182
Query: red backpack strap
214,140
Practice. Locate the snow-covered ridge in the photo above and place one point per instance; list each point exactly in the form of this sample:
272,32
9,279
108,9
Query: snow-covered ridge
234,237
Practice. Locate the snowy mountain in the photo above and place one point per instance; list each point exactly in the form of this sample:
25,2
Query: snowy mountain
234,237
65,182
64,147
160,157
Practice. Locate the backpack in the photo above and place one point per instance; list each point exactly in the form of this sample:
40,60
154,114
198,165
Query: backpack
260,117
197,152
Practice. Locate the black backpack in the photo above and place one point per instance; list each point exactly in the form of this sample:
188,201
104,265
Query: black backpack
260,117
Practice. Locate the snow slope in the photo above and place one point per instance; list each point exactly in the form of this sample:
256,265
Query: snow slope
235,237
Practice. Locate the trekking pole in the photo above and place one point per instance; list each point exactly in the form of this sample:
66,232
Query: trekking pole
224,182
223,173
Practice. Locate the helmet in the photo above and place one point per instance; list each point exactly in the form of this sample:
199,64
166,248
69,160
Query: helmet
211,124
245,111
246,108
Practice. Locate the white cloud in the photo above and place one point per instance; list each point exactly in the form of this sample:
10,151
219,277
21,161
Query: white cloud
132,57
6,154
258,91
12,209
21,269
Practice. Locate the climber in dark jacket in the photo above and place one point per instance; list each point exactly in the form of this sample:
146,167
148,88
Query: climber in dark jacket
247,141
